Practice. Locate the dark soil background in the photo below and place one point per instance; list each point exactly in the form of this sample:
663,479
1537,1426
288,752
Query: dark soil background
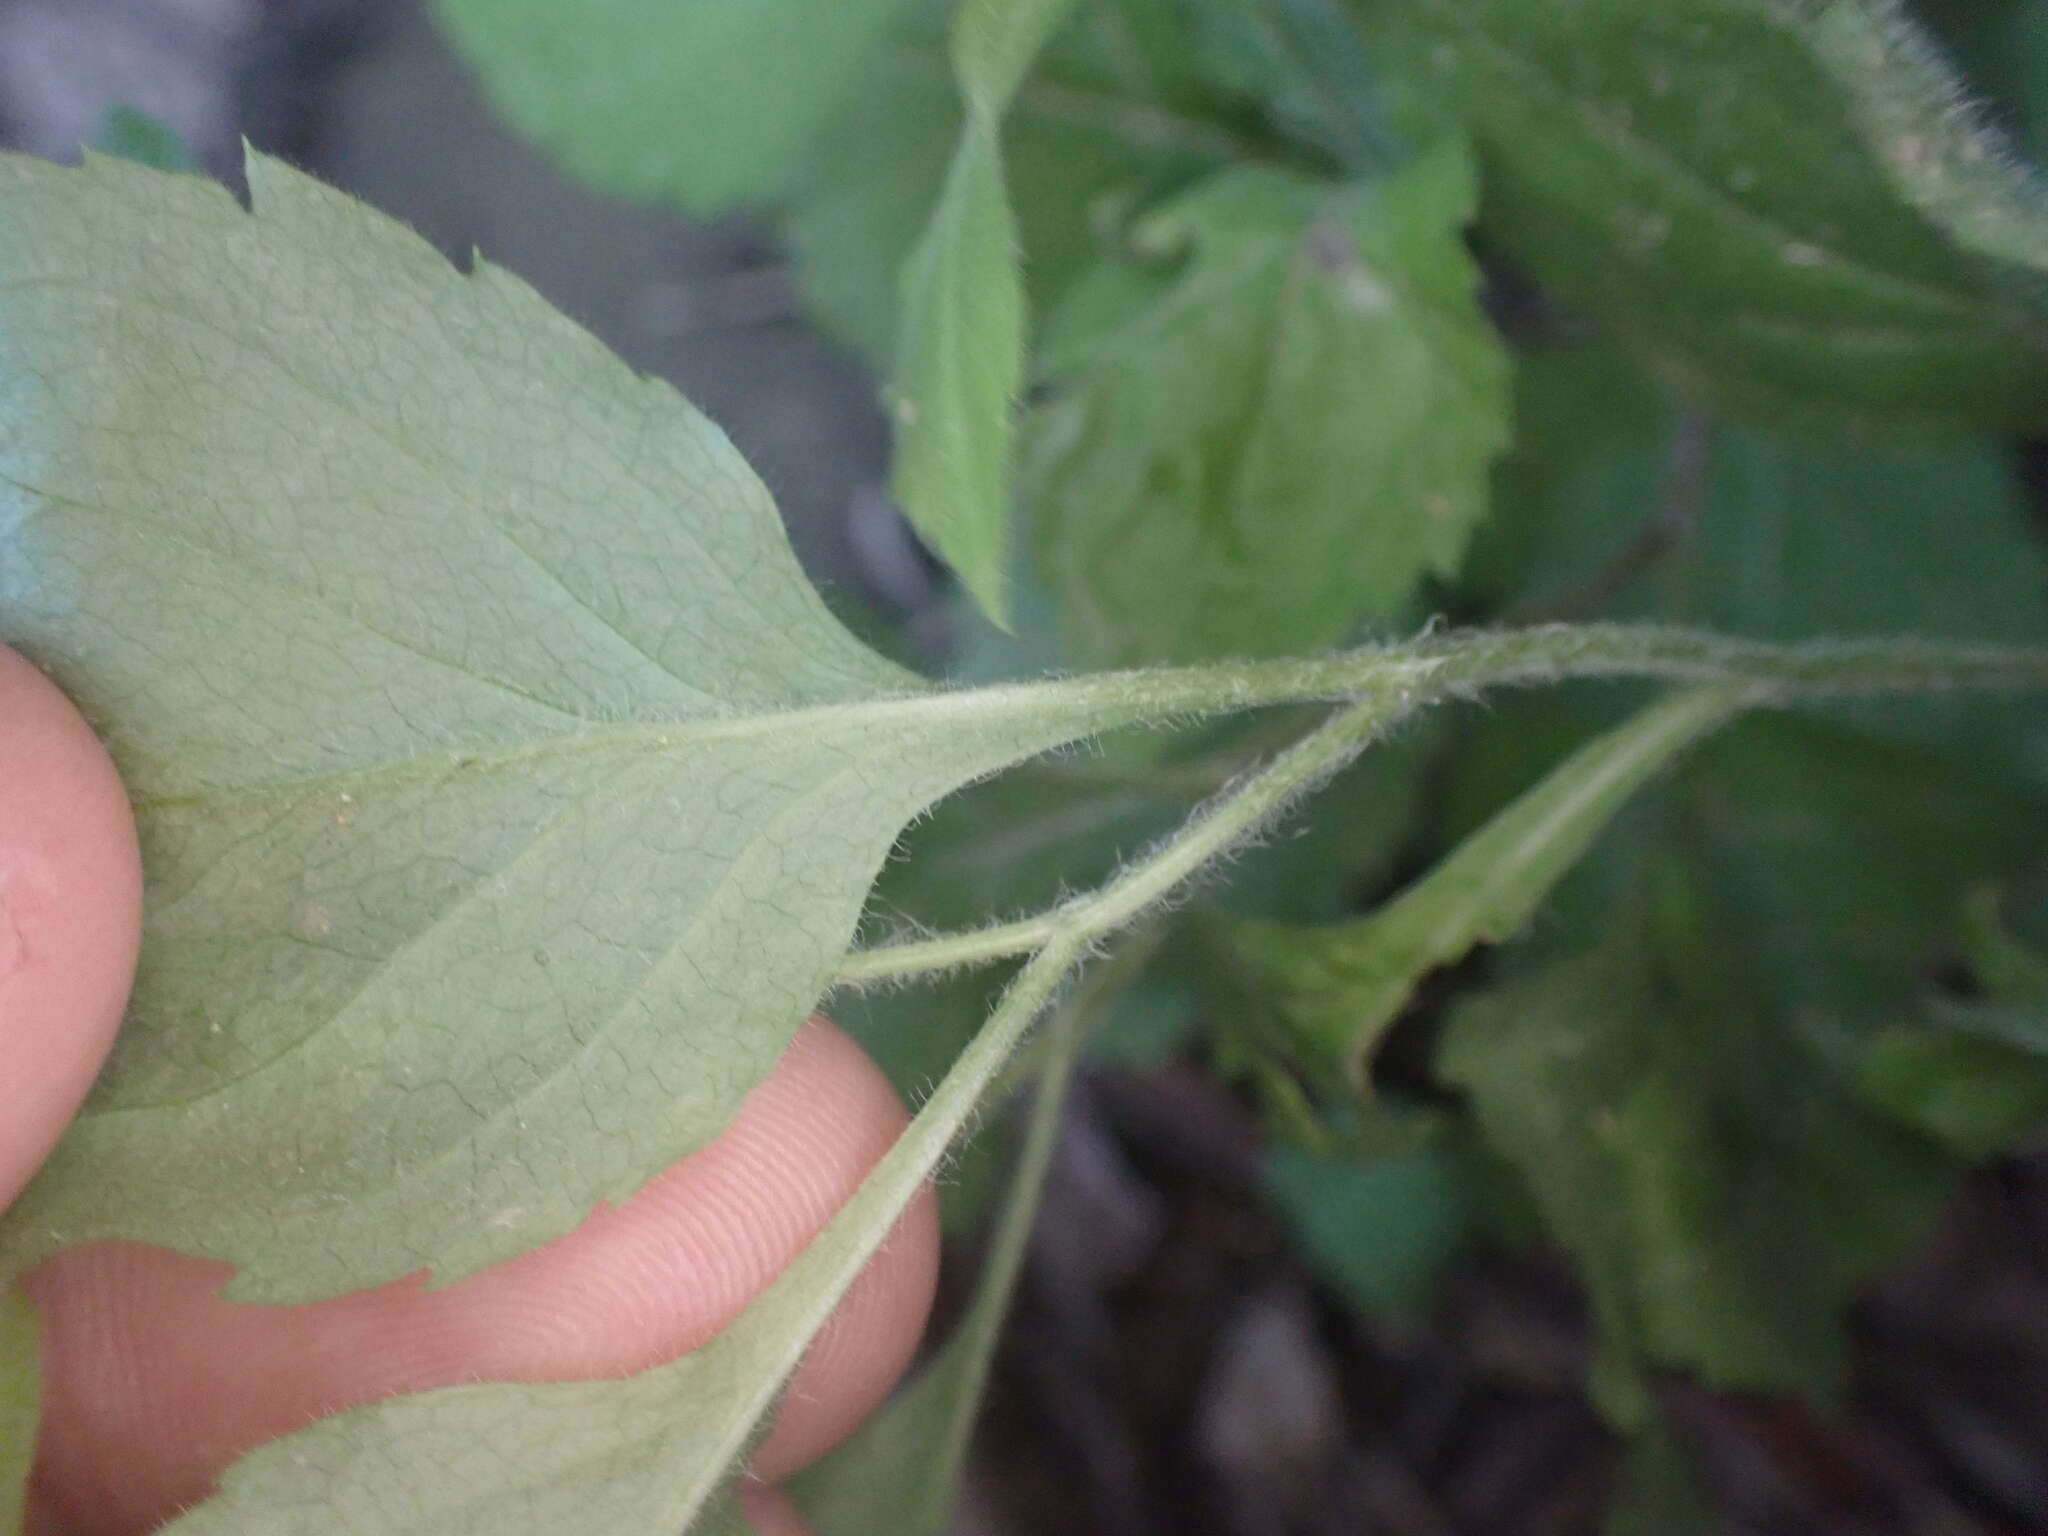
1172,1367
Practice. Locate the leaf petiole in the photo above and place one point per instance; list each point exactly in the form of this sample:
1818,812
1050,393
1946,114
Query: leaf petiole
1394,682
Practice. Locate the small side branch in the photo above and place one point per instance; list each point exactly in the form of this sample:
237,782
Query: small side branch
1229,820
1389,683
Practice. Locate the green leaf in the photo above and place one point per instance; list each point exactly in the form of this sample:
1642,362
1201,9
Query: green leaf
1973,1074
994,44
1289,436
653,1454
21,1396
1547,1061
1976,1079
2010,971
1756,1229
1379,1228
1338,989
1919,120
1774,539
703,103
960,371
1721,1195
507,796
1109,118
1306,65
134,135
2003,50
960,355
1780,205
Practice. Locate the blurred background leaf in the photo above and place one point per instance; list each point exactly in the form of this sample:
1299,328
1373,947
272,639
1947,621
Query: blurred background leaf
1332,992
135,135
703,105
1699,177
1285,434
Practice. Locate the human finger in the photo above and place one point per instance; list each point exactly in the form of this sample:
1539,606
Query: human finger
70,914
149,1371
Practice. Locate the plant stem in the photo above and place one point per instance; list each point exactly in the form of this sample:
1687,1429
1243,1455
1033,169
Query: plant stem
800,1300
1226,822
1435,665
1385,684
971,1350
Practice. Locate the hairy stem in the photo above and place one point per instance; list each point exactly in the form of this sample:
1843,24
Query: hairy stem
1386,683
1227,821
971,1350
1435,665
800,1301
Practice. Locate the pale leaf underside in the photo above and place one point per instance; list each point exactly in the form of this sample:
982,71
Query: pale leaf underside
507,794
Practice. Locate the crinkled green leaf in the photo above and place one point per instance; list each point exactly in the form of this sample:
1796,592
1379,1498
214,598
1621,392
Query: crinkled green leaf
703,103
1778,202
959,368
651,1455
1338,989
1713,1171
1289,436
1802,883
21,1402
1756,1231
1721,1195
507,795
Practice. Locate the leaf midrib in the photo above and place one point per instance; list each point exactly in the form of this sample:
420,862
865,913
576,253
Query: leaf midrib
1069,708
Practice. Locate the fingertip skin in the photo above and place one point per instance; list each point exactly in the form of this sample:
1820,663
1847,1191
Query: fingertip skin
70,914
150,1370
